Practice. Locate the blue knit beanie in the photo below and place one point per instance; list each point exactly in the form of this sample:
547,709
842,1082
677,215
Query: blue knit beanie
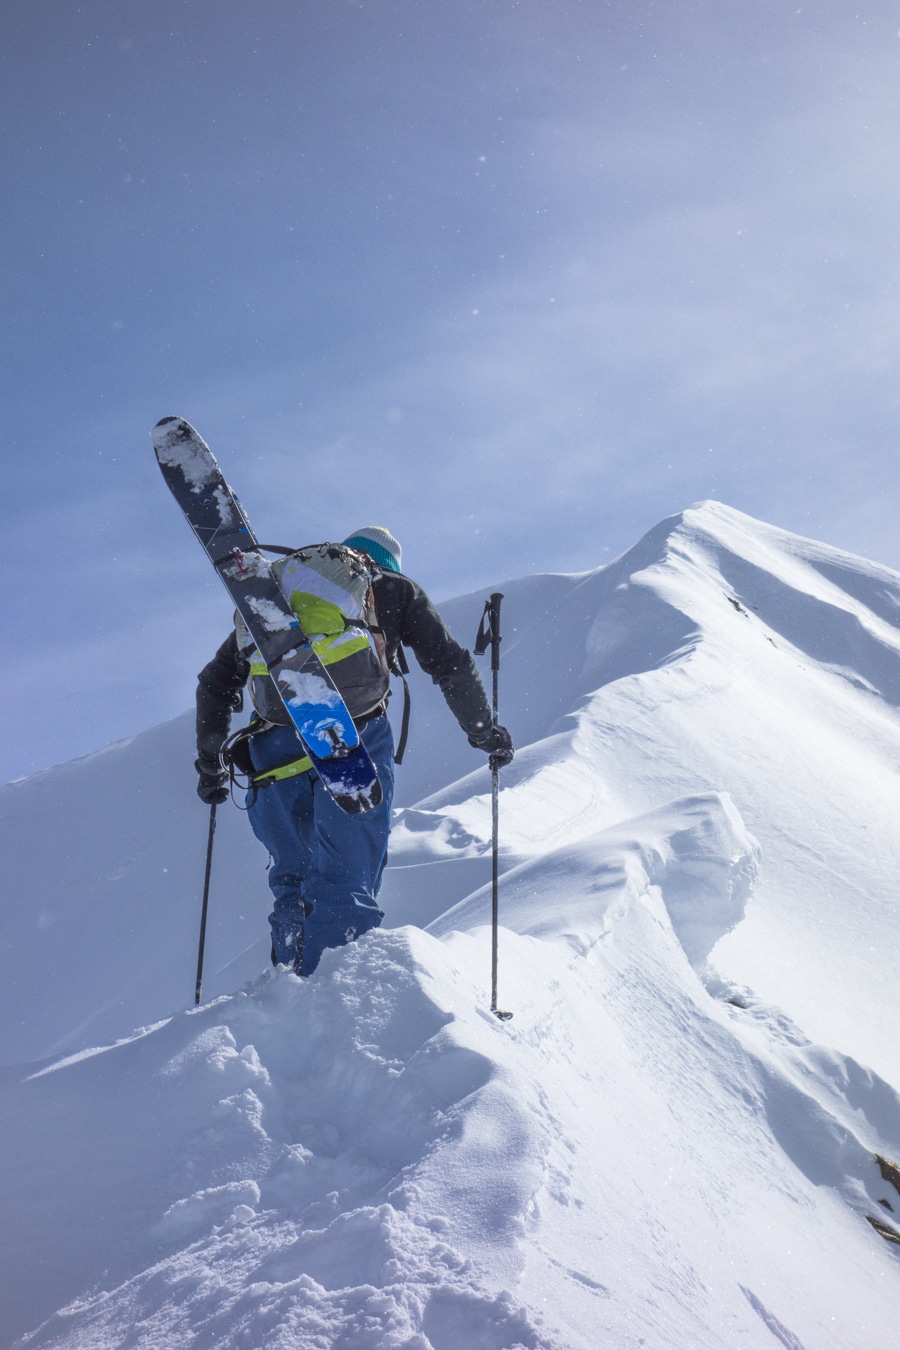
380,545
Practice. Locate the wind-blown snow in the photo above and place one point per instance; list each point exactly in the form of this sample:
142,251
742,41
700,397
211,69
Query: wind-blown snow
681,1139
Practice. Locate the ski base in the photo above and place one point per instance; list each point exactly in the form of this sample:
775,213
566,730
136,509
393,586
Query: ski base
310,699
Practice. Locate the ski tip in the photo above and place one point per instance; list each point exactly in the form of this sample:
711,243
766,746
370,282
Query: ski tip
171,433
165,424
167,430
183,453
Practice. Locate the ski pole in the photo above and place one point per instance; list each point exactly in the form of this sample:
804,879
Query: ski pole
489,636
209,853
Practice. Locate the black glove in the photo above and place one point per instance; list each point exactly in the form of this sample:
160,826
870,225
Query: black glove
496,742
212,786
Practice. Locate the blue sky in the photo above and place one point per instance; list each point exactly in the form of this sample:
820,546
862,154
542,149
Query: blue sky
515,279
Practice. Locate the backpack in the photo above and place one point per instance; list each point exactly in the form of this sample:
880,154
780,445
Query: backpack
329,589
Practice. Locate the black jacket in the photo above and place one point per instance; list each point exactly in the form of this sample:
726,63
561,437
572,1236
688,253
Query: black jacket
405,615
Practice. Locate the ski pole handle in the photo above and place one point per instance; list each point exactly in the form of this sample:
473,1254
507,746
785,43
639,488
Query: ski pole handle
489,631
496,639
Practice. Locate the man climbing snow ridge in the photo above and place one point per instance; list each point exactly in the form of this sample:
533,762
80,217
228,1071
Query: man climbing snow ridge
326,865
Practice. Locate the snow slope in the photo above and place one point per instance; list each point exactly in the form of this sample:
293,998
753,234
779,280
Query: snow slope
680,1139
718,653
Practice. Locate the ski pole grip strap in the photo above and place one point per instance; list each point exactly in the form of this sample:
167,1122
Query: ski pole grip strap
495,629
489,630
483,635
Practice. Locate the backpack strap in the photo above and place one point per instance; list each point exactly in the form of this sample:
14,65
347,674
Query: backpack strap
401,667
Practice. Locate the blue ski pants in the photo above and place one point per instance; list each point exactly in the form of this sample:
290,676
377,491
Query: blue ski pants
326,865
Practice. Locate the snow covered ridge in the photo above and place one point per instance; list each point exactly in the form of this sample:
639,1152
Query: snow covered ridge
688,1134
368,1158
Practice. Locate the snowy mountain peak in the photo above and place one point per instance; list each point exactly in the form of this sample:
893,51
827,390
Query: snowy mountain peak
686,1136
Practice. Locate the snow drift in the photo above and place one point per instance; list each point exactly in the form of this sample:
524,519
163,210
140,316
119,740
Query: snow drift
686,1136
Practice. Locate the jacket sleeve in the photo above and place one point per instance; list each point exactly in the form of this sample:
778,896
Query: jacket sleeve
420,627
219,693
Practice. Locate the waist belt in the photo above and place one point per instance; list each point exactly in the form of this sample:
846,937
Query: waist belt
289,770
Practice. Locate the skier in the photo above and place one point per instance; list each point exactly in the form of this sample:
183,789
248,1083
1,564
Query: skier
326,866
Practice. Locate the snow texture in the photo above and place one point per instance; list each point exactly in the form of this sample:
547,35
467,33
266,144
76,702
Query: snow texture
246,565
308,691
274,618
187,452
687,1136
228,514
